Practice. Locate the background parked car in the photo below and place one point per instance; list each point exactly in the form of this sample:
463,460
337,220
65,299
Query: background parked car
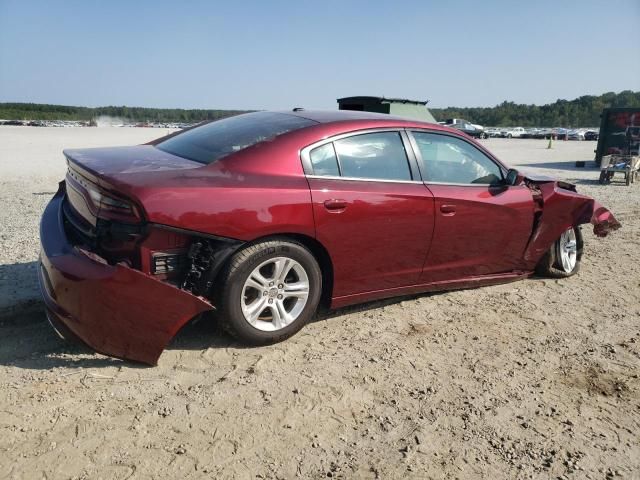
545,133
516,132
476,131
591,135
530,133
471,129
576,135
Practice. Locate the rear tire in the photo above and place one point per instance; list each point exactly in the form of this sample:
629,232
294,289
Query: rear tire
269,291
559,262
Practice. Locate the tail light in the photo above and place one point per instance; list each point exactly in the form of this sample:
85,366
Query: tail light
104,204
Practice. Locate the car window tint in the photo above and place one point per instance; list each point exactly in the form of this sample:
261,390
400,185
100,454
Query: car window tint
212,141
324,161
373,155
451,160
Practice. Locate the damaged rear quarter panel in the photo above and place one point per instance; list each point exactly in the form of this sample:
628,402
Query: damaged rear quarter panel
562,208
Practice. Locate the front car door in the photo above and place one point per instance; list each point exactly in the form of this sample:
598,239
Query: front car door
372,211
482,225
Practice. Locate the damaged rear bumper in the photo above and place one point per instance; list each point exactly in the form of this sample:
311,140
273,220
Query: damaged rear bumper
114,309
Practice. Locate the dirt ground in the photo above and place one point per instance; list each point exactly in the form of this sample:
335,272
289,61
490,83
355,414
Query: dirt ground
535,379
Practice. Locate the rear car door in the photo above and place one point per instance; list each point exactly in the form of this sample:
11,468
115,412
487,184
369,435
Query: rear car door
482,225
372,211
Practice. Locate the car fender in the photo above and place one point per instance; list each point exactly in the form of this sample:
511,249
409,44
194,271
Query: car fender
559,207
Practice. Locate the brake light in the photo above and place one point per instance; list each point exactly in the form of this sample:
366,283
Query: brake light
105,205
110,206
105,202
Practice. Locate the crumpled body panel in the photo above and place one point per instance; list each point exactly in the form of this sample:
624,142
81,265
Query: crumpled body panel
114,309
560,207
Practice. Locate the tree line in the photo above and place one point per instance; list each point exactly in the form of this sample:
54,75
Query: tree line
38,111
581,112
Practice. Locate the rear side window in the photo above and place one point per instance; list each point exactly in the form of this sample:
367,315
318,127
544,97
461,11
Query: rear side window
324,161
215,140
373,156
448,159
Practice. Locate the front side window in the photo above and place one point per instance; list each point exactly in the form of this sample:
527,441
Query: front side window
448,159
373,156
212,141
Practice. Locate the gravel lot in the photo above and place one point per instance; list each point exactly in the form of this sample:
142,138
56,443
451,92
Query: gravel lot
536,379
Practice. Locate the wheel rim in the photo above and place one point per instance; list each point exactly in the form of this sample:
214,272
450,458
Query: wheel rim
568,250
274,294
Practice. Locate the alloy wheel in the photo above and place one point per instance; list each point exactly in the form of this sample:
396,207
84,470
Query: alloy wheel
567,250
275,294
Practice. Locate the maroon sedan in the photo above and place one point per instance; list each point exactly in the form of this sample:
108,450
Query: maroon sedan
265,216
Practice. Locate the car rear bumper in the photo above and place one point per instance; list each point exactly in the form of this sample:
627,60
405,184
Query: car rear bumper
114,309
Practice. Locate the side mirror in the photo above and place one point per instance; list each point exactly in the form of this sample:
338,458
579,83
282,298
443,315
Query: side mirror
512,177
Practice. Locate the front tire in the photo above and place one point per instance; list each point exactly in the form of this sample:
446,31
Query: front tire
564,257
269,291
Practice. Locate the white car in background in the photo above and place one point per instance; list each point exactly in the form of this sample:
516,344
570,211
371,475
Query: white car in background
492,132
457,121
513,132
471,129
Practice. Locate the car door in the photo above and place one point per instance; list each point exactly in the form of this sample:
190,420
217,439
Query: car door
372,211
482,225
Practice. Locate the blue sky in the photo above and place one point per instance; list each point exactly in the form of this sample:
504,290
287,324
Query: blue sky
277,54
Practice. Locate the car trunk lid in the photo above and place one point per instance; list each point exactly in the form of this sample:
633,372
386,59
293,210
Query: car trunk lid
108,169
115,163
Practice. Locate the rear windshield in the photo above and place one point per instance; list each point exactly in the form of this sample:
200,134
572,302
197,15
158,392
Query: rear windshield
212,141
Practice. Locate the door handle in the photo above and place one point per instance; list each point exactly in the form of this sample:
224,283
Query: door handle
335,204
448,209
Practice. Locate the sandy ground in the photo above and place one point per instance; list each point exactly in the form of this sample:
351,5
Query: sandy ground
536,379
